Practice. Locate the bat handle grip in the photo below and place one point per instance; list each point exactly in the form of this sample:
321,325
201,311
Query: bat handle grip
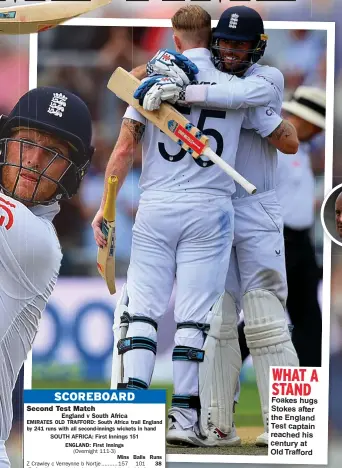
229,170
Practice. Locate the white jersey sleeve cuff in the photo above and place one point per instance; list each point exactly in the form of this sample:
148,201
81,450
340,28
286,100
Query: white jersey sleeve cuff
196,94
266,128
133,114
263,120
235,94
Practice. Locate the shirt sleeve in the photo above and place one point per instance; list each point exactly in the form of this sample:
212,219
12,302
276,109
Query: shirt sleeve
133,114
264,120
255,90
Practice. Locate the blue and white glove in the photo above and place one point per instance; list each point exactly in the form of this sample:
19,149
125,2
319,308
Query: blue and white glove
156,89
174,65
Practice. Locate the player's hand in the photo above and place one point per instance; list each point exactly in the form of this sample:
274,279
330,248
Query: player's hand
153,91
97,228
174,65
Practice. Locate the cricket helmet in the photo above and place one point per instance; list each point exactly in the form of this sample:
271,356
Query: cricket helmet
62,114
240,23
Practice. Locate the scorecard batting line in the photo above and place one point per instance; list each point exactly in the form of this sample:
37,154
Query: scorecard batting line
38,17
173,124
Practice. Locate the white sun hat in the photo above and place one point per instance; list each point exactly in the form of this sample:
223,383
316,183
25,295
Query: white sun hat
308,103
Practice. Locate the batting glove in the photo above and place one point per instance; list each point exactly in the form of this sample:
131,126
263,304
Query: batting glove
174,65
156,89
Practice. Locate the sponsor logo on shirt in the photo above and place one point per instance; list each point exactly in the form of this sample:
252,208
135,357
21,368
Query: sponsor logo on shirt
6,213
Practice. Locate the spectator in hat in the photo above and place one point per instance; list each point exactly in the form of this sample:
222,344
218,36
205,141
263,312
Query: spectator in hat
296,194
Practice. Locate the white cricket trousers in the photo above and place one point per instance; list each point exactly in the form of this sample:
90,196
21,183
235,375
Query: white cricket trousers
182,236
258,256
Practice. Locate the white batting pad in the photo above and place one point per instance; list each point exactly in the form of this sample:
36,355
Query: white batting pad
207,366
119,332
268,339
227,368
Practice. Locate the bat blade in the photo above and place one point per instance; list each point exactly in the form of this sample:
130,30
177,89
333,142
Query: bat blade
173,124
39,17
167,118
106,255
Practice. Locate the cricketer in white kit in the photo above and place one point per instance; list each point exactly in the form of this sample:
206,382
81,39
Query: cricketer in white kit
45,152
256,280
183,230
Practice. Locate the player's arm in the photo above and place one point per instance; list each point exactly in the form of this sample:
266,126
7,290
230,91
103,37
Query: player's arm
252,91
284,138
119,164
121,159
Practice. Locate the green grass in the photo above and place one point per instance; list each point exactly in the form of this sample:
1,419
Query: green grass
69,384
247,412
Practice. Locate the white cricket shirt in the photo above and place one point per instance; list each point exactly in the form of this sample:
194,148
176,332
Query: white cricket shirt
168,168
296,188
261,86
30,258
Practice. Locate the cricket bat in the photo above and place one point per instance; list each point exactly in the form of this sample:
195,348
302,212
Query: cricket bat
173,124
38,17
106,255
